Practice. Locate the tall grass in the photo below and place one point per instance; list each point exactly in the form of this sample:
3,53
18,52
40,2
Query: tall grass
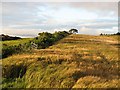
77,61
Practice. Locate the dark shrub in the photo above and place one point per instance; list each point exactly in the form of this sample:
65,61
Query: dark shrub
13,71
44,40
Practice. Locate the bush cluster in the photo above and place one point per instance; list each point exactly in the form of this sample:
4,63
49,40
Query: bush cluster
9,50
44,40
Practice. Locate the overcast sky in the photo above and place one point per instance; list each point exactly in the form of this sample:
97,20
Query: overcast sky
28,19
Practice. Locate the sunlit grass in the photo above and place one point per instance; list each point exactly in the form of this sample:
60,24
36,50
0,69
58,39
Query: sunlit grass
77,61
16,42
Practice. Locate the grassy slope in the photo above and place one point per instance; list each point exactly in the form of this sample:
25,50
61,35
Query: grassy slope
78,61
16,42
13,42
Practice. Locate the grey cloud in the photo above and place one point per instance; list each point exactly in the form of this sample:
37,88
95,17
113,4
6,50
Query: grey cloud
96,5
60,1
15,13
102,25
21,18
102,8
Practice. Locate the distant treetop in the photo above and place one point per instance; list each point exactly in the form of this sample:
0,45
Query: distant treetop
73,31
118,33
7,37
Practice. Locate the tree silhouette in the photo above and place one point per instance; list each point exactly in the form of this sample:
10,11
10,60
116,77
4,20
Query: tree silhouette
73,31
101,34
118,33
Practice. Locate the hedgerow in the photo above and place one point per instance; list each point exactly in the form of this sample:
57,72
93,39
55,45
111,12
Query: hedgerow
44,40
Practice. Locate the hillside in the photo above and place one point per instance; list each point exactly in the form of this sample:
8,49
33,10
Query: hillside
7,37
77,61
16,42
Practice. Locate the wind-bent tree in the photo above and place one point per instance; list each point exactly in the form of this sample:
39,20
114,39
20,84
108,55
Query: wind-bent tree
118,33
101,34
73,31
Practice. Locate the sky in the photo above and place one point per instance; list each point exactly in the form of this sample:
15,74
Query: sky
27,19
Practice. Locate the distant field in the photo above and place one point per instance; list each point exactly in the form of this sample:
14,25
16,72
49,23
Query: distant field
77,61
16,42
10,47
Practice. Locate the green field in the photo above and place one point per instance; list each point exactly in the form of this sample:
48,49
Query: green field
16,42
77,61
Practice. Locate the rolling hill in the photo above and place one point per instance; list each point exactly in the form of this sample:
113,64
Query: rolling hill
7,37
77,61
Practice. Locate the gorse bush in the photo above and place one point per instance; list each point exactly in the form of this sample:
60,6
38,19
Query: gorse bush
60,35
9,50
44,40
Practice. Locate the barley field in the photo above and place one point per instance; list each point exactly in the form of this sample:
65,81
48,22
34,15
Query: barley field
77,61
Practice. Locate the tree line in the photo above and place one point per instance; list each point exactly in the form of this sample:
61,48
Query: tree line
44,40
7,37
118,33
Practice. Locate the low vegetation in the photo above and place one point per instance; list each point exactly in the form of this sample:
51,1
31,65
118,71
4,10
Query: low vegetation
76,61
14,46
44,40
7,37
118,33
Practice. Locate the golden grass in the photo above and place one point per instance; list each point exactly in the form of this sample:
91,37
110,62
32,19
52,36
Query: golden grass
77,61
